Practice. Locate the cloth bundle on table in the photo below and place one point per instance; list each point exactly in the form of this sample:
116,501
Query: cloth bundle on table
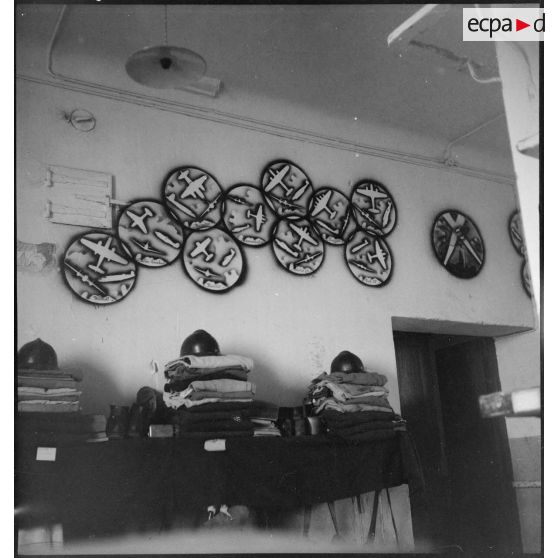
47,391
211,395
354,406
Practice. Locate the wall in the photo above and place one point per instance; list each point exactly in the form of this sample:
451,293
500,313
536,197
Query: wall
291,326
519,68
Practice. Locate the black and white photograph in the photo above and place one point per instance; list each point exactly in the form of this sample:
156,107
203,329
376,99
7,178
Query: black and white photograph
278,281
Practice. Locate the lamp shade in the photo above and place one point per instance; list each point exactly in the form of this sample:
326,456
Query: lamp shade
165,67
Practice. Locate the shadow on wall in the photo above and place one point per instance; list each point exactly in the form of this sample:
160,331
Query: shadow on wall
270,385
98,389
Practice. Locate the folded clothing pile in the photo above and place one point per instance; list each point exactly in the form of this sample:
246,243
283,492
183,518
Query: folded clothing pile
211,395
47,391
354,406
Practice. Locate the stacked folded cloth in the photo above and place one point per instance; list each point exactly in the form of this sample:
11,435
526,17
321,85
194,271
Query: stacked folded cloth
354,406
264,417
47,391
211,395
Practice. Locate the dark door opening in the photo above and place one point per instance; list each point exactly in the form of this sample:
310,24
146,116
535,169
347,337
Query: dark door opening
466,461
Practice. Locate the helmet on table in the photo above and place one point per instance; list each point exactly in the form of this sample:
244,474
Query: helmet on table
37,355
200,343
346,362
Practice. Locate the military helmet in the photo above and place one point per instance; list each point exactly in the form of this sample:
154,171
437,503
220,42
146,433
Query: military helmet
346,362
200,343
37,355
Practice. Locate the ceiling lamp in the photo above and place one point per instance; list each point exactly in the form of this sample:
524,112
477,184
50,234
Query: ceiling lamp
171,67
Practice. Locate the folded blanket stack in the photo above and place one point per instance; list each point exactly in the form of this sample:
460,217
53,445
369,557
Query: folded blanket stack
211,395
47,391
354,406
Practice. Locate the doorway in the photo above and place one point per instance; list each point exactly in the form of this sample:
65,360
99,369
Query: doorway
470,503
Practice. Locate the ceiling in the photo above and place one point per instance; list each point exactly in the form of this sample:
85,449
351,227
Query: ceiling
333,59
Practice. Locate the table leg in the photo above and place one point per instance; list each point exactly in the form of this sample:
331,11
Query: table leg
331,506
306,521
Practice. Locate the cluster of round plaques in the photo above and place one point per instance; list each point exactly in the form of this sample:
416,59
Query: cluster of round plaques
208,227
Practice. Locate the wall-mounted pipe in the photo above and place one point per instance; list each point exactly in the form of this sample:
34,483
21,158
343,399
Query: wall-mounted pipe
447,158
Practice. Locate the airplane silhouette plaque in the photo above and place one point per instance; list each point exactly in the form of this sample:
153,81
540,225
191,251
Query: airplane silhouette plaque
247,217
213,260
287,189
330,214
516,233
193,197
373,208
298,247
515,230
99,269
369,259
458,244
153,238
526,278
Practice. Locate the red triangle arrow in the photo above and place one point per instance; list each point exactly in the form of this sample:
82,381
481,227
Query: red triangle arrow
519,25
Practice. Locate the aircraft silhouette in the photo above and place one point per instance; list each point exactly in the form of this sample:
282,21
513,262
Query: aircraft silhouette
322,199
195,188
277,180
259,216
373,194
139,220
104,252
303,234
379,254
202,248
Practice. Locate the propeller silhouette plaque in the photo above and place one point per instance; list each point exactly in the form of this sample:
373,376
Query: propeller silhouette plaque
330,214
297,247
213,260
369,259
458,244
193,198
373,208
246,215
153,238
287,189
99,269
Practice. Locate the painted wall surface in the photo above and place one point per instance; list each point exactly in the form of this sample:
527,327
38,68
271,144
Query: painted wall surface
291,326
519,68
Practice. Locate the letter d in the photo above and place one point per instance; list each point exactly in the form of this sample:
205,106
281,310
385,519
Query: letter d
539,23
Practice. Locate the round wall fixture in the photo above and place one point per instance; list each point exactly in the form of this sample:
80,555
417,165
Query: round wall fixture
213,260
297,247
193,197
369,259
516,232
287,189
153,238
82,120
99,269
373,207
458,244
